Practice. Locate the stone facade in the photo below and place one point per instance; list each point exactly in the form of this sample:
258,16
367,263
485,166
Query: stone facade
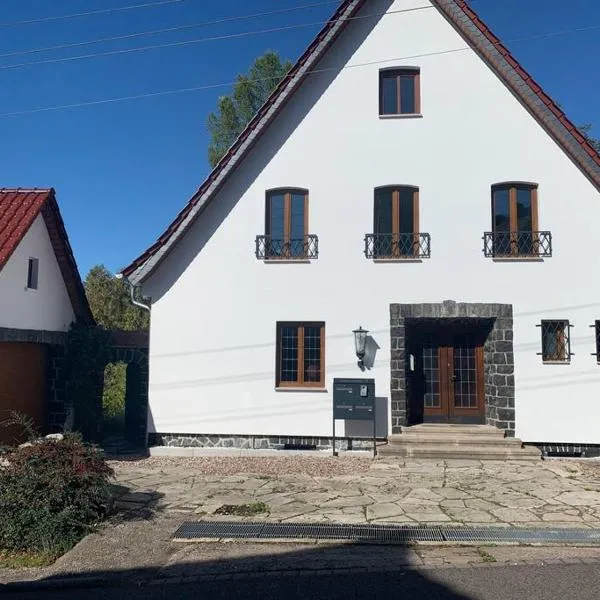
256,442
499,378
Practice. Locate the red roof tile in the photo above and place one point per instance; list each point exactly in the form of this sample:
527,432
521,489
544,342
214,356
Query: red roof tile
18,210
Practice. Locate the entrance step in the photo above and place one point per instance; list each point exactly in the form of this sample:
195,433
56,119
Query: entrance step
441,429
480,442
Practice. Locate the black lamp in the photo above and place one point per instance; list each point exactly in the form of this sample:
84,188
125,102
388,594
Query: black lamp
360,342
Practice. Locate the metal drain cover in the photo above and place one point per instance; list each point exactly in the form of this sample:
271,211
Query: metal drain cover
524,535
380,534
223,529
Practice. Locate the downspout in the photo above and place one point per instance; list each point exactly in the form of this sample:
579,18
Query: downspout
132,292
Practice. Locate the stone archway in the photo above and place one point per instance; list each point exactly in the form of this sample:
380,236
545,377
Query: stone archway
131,347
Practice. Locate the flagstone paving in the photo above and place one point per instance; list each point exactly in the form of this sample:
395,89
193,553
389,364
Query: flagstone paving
549,493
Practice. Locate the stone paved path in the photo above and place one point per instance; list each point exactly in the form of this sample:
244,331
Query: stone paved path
450,492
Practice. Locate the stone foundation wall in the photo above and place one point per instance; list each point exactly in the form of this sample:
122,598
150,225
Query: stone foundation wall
255,442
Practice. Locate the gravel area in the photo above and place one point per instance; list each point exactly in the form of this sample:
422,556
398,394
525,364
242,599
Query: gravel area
228,465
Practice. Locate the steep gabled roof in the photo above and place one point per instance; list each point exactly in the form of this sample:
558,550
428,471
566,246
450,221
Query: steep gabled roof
18,210
475,33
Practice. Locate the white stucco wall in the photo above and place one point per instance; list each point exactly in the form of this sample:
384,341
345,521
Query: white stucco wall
46,308
215,306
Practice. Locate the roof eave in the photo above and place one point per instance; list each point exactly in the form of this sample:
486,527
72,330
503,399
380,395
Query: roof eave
139,270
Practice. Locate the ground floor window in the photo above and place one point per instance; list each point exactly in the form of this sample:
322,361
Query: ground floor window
300,354
555,341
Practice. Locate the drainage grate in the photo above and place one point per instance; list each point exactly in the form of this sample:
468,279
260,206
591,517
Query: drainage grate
394,534
523,535
381,534
222,529
323,531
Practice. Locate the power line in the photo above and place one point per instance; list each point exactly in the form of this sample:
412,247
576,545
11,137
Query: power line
166,30
203,40
88,13
309,72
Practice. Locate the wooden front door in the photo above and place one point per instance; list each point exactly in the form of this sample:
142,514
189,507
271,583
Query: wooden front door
454,383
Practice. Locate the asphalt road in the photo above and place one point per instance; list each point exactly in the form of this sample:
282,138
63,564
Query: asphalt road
560,582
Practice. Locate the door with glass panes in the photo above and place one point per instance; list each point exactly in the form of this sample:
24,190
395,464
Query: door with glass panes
446,378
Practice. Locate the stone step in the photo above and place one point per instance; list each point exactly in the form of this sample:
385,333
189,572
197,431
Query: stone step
443,428
462,451
453,439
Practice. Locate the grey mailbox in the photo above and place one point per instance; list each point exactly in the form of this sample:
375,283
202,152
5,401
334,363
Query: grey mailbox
354,400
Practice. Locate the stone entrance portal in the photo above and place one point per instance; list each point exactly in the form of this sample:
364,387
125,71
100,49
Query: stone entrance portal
452,362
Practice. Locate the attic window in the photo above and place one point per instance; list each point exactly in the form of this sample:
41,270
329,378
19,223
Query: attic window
399,91
32,274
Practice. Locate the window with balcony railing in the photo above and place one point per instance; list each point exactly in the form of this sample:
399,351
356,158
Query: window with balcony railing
396,225
515,232
286,227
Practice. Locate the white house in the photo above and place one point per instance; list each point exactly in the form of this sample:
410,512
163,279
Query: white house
410,177
41,294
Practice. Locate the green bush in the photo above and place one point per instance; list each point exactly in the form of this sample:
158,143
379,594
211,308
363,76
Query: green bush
52,494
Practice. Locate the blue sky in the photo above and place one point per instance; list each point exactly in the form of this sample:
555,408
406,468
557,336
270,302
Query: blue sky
122,171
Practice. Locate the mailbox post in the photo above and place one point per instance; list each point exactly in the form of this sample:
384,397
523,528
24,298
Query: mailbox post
354,400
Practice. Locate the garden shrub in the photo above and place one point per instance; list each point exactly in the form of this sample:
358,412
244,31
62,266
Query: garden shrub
52,493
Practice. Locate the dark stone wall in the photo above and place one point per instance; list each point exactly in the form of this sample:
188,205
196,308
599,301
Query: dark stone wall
499,379
129,347
255,442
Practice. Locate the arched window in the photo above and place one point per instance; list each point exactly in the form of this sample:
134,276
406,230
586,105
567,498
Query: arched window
286,225
399,91
396,222
515,219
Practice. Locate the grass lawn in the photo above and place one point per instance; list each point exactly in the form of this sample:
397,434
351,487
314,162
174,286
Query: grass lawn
21,560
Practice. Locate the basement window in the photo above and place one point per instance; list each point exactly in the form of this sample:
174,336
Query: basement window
32,274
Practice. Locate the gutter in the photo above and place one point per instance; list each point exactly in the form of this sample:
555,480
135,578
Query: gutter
132,289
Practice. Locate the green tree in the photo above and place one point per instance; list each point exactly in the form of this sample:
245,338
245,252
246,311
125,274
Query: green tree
110,302
249,94
111,306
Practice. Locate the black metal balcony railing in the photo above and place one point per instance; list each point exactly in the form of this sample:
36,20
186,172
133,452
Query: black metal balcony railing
268,247
506,244
394,245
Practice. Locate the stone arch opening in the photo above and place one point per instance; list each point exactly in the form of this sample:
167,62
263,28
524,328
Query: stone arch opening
130,349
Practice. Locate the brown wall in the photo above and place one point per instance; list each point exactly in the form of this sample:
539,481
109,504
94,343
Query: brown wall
22,385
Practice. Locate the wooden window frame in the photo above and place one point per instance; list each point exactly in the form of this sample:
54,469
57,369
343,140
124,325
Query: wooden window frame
512,187
398,73
33,272
287,215
396,189
300,382
563,338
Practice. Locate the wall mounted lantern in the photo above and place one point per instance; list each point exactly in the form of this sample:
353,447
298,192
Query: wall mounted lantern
360,342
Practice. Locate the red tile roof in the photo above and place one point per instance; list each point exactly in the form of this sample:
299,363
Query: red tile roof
18,210
475,33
